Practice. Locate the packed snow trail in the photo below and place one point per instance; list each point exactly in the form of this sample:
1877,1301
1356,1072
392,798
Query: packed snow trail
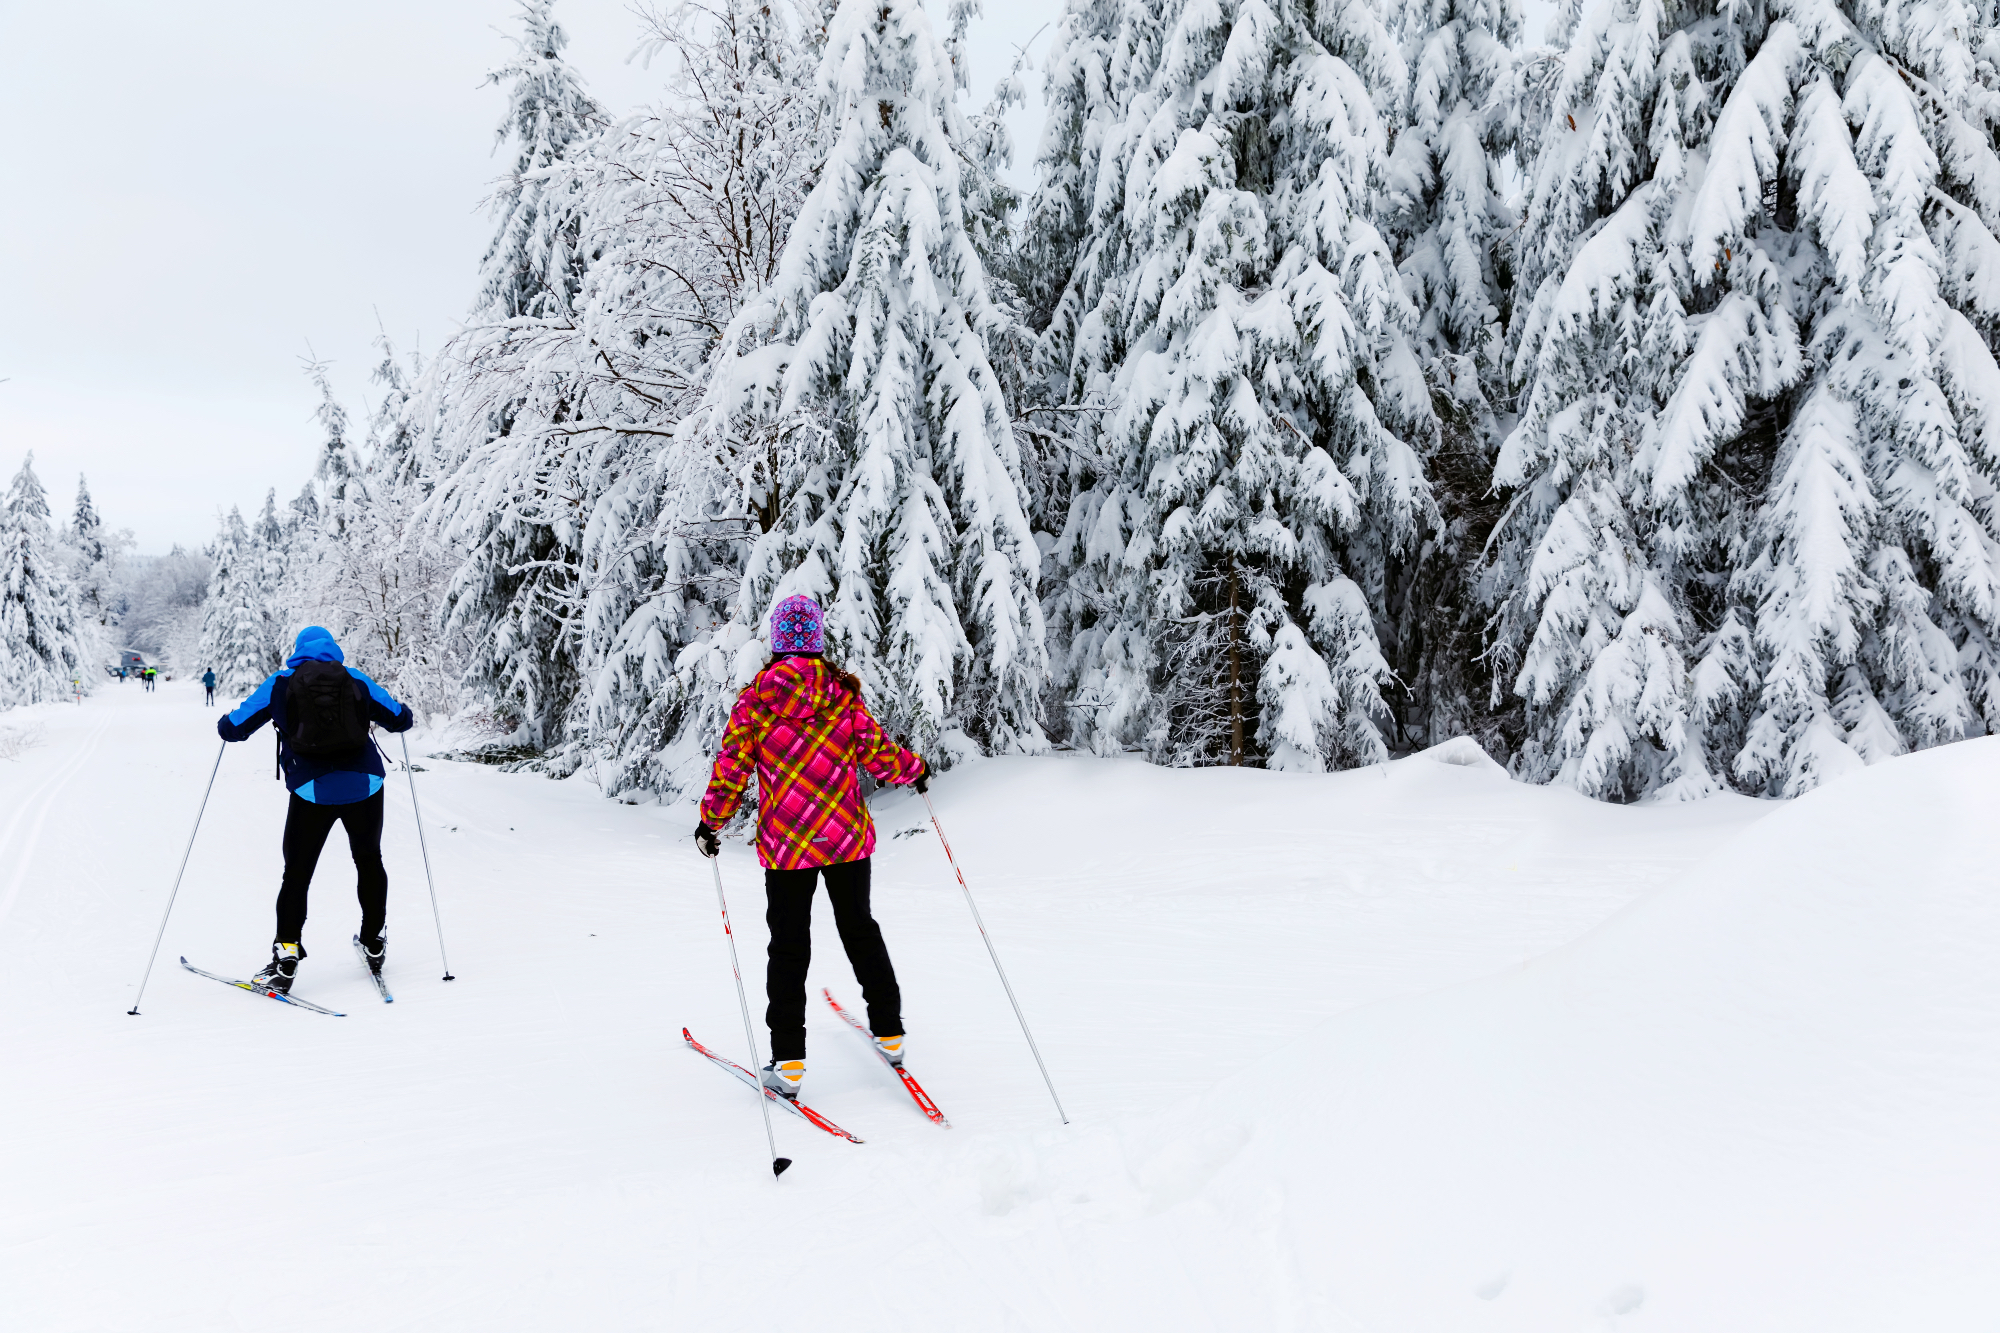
532,1147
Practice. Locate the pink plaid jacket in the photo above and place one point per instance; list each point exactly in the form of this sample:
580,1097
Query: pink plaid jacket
806,735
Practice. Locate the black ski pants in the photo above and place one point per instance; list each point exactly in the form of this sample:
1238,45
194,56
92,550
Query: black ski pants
788,912
306,827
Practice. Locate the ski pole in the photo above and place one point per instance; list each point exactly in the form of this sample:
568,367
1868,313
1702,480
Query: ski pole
994,955
778,1164
176,891
417,810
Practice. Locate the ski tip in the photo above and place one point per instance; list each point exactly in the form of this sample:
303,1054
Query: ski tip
687,1036
778,1165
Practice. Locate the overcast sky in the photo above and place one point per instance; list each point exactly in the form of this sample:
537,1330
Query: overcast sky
202,191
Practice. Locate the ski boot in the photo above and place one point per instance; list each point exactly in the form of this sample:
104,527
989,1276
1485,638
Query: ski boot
784,1077
284,965
891,1048
373,957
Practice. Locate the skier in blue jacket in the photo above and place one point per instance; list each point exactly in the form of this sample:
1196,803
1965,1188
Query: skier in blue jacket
321,709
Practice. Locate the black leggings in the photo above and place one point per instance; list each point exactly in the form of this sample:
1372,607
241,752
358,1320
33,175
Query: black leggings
306,827
788,912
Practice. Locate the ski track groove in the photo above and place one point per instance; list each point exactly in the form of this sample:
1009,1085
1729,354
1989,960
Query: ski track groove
36,811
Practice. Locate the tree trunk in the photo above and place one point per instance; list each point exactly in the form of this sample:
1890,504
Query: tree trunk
1235,672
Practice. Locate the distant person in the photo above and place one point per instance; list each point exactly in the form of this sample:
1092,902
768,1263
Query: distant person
803,731
334,772
208,684
147,676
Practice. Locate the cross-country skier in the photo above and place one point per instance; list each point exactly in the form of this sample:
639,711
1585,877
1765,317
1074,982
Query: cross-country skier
208,683
802,728
321,710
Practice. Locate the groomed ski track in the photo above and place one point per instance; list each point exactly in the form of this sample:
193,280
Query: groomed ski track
531,1147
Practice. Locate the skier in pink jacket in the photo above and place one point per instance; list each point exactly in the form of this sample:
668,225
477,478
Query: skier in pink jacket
802,729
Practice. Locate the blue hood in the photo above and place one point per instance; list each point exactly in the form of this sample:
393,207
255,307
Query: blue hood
315,645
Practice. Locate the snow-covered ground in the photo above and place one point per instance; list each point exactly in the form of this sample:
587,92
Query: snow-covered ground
1398,1050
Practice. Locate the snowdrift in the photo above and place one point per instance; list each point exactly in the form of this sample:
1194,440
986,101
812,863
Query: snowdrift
1763,1099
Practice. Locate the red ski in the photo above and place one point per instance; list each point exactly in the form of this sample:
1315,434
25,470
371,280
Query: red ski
915,1089
799,1109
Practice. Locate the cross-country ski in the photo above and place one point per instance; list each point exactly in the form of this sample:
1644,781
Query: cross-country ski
796,1107
1368,630
910,1084
266,990
372,965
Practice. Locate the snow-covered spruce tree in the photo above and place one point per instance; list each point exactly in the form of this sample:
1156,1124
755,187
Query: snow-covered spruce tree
395,430
235,631
506,490
1874,563
691,203
95,553
343,490
41,638
1237,321
283,574
896,498
1448,224
535,263
303,511
1758,390
379,584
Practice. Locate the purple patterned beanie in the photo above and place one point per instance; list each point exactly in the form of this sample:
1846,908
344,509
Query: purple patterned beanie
797,626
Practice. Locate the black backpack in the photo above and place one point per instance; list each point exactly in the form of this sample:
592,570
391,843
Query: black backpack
325,711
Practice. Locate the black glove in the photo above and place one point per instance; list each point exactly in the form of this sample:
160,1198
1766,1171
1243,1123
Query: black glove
923,782
707,841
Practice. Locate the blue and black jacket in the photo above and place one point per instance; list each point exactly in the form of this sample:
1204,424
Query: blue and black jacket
323,782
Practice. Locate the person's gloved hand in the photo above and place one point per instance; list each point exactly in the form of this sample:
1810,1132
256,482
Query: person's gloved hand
707,841
923,782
